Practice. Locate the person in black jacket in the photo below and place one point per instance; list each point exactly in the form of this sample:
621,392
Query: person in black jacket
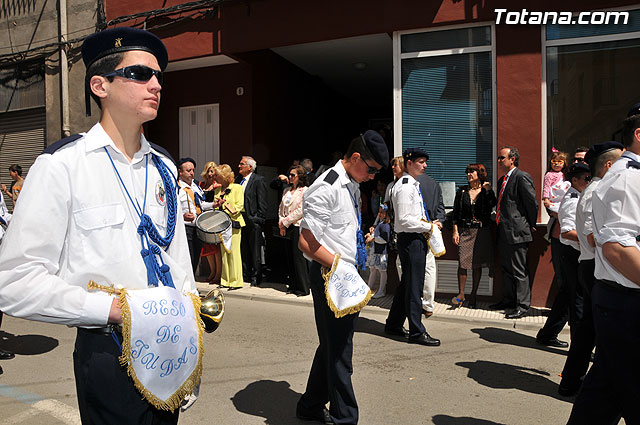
471,232
516,215
432,195
255,213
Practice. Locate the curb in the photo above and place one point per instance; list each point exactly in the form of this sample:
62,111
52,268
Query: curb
203,288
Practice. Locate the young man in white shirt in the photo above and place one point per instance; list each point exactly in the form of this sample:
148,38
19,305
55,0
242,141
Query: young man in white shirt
112,217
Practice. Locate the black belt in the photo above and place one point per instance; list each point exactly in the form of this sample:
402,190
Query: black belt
105,330
618,287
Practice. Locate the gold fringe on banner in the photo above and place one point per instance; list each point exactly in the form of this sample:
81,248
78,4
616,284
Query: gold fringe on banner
326,275
427,236
175,400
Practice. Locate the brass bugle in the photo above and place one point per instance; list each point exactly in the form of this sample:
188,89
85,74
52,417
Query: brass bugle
212,310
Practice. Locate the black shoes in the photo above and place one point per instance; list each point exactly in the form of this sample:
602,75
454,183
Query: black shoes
502,305
518,313
401,331
424,339
6,355
321,416
552,342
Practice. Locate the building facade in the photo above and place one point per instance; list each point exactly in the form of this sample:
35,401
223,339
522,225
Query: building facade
284,79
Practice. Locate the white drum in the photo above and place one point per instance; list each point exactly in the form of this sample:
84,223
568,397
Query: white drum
210,225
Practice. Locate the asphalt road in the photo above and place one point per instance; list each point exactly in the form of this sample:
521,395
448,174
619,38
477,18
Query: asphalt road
257,363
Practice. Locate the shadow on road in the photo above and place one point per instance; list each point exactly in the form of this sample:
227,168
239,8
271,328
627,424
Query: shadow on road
27,345
451,420
509,337
369,326
273,400
506,376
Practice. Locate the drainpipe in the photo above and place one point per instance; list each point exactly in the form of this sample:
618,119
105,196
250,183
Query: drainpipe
64,70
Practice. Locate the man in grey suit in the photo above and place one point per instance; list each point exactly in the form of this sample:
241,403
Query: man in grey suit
516,215
255,213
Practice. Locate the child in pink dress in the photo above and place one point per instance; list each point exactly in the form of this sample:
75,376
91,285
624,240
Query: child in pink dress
555,174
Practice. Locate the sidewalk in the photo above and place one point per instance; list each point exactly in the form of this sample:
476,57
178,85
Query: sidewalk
276,292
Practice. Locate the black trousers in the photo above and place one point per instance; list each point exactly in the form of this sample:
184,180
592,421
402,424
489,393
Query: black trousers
300,265
195,246
612,387
106,394
407,301
331,370
516,289
250,246
583,339
568,302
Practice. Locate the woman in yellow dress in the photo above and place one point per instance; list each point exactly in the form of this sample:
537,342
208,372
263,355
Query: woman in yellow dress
229,197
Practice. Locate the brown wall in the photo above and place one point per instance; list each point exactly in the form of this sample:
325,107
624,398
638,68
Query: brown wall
241,26
204,86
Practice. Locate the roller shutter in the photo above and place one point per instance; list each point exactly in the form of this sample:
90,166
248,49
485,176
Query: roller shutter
22,139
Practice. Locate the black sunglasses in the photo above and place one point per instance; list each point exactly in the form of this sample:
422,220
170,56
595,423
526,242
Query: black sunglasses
292,175
136,73
501,157
370,169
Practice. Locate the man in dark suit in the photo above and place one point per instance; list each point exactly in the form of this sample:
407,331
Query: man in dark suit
432,195
255,213
516,215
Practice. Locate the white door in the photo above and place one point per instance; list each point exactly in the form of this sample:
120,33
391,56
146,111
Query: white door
200,134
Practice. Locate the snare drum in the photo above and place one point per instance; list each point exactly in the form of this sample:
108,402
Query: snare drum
211,224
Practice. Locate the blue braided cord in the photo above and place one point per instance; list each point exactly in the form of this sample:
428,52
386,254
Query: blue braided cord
172,208
424,204
147,229
115,338
361,251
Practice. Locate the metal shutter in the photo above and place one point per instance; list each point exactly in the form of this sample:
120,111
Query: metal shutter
22,139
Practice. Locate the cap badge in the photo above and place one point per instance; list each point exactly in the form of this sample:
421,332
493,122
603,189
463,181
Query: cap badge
118,42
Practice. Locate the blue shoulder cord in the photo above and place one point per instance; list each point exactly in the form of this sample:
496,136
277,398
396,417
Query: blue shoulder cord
424,204
147,230
361,251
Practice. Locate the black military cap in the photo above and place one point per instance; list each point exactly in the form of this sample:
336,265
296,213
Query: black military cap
598,149
577,168
376,146
635,110
117,40
413,153
123,39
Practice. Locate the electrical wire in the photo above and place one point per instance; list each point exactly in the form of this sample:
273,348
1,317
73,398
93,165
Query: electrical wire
48,49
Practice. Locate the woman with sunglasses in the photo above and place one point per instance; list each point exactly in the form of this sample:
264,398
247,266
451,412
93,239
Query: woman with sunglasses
289,217
472,209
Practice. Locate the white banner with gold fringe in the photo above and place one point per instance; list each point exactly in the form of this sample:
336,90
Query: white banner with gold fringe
162,343
435,241
345,290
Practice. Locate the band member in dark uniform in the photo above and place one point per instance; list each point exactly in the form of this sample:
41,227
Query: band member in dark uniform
331,225
411,223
